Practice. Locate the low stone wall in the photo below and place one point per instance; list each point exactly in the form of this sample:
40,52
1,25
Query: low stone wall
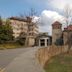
44,54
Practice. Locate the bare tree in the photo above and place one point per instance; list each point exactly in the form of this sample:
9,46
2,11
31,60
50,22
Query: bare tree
68,16
32,12
28,17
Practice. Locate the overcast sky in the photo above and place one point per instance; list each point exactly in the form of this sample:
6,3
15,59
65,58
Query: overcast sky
48,11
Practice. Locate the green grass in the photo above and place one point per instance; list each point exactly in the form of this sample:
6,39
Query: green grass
10,46
60,63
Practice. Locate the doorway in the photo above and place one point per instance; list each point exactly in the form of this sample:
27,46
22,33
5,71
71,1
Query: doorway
42,42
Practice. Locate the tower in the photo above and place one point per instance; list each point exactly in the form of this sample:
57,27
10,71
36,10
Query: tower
56,31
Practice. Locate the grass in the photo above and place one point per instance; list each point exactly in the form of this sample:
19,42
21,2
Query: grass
60,63
10,46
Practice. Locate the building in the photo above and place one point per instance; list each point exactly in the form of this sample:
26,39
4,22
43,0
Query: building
18,25
25,27
43,39
56,31
67,32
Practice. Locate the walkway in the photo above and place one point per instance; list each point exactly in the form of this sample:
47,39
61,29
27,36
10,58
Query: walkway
26,62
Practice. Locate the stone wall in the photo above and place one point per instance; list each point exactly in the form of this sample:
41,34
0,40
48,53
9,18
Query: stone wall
31,41
44,54
56,34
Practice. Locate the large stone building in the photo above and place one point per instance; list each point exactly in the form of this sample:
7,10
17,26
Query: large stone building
25,26
57,32
18,25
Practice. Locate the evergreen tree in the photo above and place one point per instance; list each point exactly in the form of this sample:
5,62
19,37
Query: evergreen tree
0,20
6,32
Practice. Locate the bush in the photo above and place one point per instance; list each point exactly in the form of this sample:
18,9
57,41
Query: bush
21,41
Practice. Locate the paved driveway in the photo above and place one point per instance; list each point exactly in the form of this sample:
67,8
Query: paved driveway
20,60
6,56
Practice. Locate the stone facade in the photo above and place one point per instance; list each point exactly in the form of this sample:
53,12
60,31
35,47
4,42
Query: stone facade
67,32
56,31
31,41
18,26
27,27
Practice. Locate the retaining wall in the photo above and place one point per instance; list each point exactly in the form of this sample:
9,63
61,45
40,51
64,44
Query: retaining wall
44,54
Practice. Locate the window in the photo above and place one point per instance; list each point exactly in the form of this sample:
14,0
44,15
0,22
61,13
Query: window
30,33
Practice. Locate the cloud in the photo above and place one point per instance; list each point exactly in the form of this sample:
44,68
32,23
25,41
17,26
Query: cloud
35,19
46,28
60,4
46,19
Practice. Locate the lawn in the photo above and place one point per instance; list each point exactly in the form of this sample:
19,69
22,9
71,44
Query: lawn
60,63
10,46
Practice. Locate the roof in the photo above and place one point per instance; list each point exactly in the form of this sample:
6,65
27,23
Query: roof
69,28
21,19
56,23
43,35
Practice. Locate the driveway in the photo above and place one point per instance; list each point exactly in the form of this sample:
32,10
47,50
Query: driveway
20,60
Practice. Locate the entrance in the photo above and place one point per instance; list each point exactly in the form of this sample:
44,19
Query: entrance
42,42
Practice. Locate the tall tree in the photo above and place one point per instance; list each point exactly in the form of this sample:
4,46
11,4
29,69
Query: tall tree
0,20
29,16
32,12
68,16
6,32
9,30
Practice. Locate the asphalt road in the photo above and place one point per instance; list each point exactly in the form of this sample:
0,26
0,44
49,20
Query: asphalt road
7,56
19,60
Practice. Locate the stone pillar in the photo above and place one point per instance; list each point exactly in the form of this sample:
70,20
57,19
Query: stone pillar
45,42
39,43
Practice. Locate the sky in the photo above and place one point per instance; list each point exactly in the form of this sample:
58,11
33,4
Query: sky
48,11
17,7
